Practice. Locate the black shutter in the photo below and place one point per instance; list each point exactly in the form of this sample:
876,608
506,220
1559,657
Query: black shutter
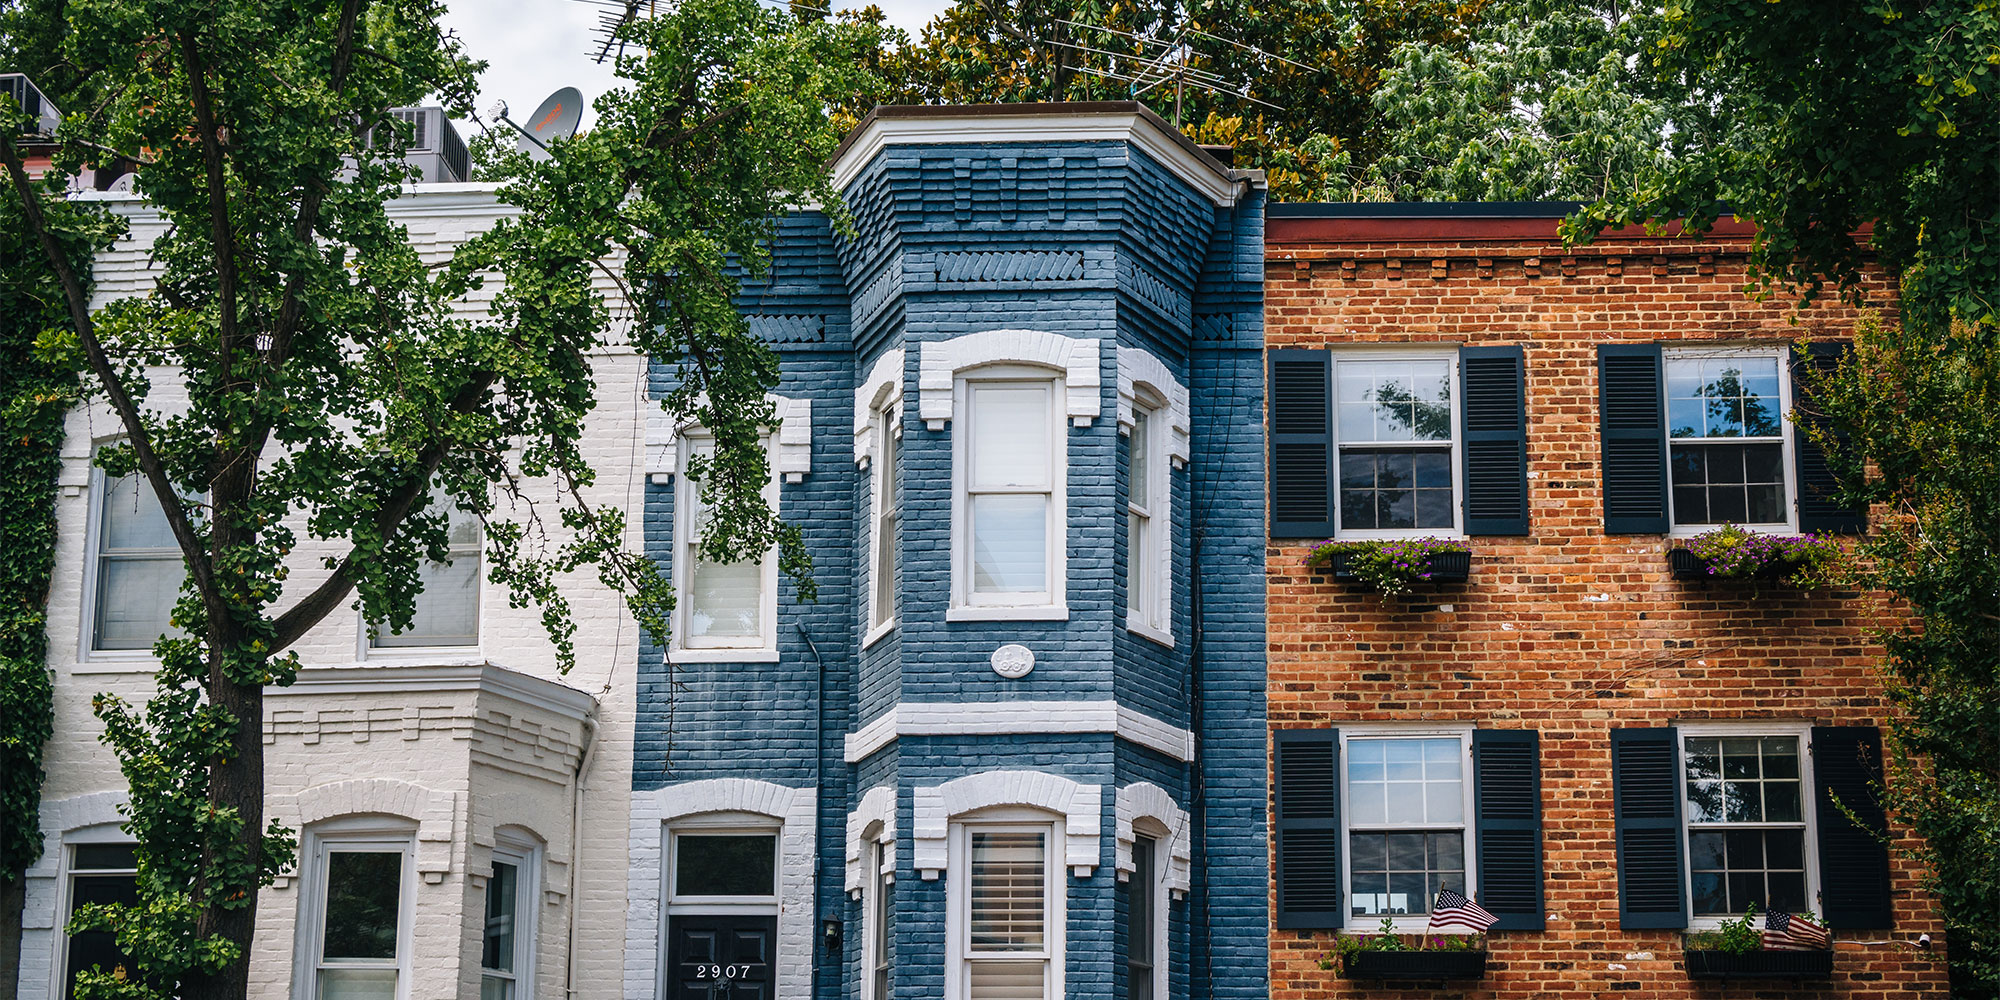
1819,502
1646,807
1506,768
1301,444
1853,860
1494,421
1631,412
1308,828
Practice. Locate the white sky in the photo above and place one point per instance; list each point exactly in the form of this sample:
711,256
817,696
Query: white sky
533,47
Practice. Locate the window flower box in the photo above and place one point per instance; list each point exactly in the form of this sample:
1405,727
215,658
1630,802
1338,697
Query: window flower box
1394,566
1734,553
1715,964
1416,965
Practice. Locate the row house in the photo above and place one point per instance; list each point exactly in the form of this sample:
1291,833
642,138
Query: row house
1603,752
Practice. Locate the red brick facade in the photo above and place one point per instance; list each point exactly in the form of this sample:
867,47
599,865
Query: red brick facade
1568,630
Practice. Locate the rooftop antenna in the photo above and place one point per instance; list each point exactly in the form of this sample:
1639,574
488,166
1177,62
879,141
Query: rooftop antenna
555,118
1169,57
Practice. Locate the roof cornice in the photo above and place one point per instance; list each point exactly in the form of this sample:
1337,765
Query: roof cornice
1080,121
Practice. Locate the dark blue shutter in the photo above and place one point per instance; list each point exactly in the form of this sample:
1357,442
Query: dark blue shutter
1308,828
1301,444
1507,807
1646,809
1631,413
1853,860
1820,508
1494,422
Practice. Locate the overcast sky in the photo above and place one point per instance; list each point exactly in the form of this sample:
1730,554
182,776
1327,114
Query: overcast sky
533,47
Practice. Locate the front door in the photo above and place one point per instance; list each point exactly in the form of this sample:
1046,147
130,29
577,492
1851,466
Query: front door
720,958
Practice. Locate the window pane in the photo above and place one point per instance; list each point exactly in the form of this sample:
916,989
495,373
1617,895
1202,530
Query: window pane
447,611
502,899
1394,400
1405,781
363,894
1139,473
135,596
725,600
1723,397
1732,869
99,949
1140,920
496,988
1395,489
1400,873
726,865
1138,571
133,518
98,857
357,984
1008,887
1736,483
1010,544
1006,980
1010,436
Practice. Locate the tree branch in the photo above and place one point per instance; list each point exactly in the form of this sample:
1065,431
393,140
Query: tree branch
107,375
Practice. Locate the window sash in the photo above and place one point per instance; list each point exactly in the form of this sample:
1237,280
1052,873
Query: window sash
884,600
981,508
755,627
1682,522
877,961
450,616
1143,915
1805,824
1350,828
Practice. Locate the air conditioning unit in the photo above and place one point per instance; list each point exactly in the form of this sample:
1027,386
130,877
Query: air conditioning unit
434,147
44,116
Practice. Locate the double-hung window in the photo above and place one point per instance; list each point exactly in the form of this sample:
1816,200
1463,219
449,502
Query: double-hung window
1006,913
1747,825
356,915
884,537
1408,798
99,873
726,610
1147,516
447,608
507,940
138,565
1145,922
879,934
1008,516
1397,441
1728,446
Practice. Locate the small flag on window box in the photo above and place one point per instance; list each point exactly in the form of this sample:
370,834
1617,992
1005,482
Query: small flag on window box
1792,932
1453,911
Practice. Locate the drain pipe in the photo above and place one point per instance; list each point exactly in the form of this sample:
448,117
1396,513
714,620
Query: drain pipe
578,782
819,792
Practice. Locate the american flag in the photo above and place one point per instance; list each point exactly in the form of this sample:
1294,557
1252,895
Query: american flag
1454,912
1791,932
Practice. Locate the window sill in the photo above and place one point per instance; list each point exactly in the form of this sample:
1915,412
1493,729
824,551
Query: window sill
722,656
875,634
1148,632
1033,613
436,656
138,661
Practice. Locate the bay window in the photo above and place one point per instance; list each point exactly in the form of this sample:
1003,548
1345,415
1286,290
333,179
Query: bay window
355,914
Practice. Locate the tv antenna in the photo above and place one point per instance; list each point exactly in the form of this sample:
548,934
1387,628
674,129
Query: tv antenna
555,118
1169,58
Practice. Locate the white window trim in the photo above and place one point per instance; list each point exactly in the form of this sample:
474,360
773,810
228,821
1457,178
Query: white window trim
1800,730
765,649
93,542
367,651
1150,615
872,821
1417,923
526,857
103,833
940,362
1048,605
1144,802
357,834
1456,453
886,424
1786,435
958,897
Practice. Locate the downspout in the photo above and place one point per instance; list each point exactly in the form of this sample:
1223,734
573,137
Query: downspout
819,794
578,782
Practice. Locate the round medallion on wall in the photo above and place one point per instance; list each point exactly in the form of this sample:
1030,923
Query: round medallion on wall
1013,661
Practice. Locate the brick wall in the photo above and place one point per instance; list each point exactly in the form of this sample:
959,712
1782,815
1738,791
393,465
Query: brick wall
1568,630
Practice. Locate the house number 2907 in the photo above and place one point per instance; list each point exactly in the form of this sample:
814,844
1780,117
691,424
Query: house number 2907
720,971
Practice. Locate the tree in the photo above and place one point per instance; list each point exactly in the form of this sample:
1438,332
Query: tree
1315,115
1878,118
333,393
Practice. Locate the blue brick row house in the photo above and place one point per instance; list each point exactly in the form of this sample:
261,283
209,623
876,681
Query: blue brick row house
1016,748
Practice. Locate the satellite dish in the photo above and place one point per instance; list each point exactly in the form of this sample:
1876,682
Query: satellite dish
556,118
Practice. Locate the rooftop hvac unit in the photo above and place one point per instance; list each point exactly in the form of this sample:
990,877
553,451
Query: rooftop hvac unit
434,147
43,116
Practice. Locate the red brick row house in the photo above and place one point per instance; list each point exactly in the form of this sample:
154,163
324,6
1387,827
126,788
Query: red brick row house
1604,755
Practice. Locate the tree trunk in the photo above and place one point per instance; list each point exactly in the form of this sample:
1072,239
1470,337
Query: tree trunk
236,783
13,896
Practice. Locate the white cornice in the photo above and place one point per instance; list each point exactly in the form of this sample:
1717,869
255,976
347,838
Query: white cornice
1005,718
878,133
470,675
469,200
